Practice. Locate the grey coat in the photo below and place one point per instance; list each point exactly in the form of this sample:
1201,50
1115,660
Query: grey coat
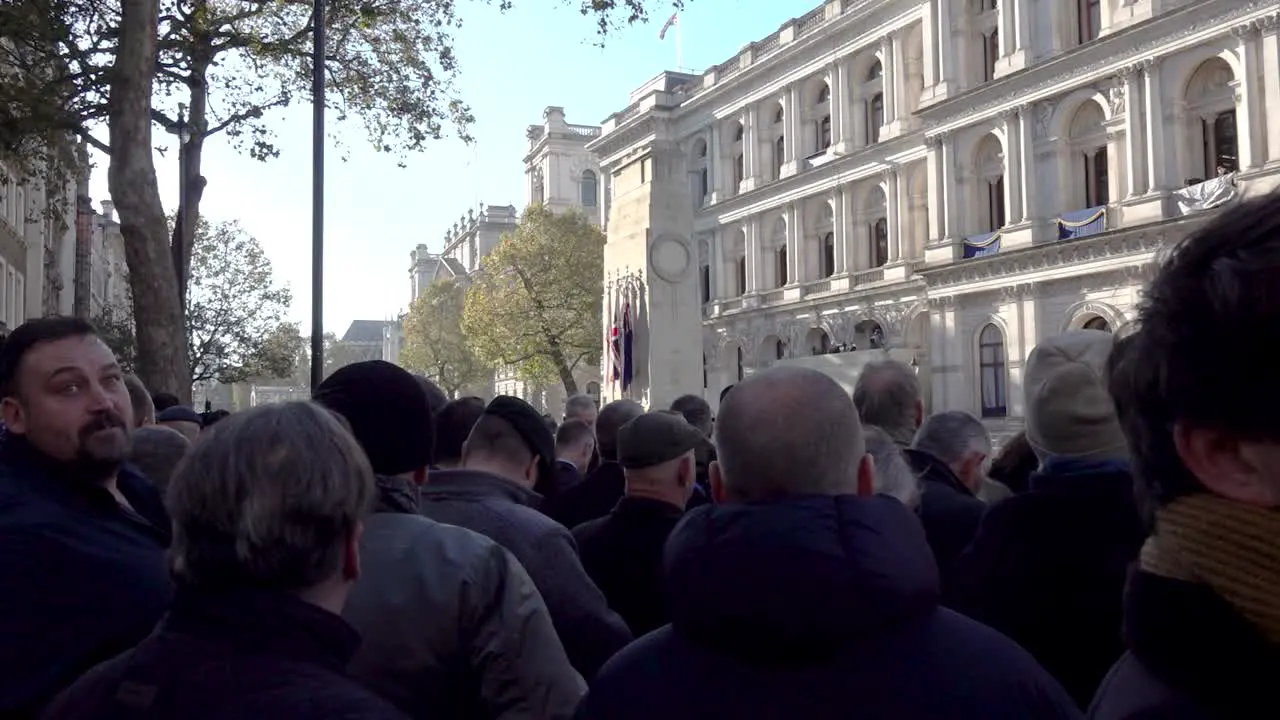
501,509
452,625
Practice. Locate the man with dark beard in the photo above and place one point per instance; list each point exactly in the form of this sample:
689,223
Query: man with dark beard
83,575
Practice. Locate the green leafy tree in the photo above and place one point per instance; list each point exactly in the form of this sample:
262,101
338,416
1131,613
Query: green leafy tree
115,327
434,343
235,311
75,65
535,304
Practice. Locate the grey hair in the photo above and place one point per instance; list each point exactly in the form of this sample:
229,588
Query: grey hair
788,431
887,394
268,498
894,477
611,419
951,435
156,452
144,409
577,404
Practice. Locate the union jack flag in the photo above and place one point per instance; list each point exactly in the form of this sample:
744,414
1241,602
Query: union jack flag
615,342
671,21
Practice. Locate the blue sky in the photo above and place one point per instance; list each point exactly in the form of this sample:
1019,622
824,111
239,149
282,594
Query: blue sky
513,65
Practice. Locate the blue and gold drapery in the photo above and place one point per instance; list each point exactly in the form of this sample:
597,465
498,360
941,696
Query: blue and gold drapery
976,246
1082,223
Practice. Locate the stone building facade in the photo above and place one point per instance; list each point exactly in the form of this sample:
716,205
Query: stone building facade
946,182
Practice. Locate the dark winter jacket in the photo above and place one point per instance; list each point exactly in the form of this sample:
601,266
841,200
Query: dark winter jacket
949,511
1191,657
622,553
452,625
1048,569
592,498
502,510
83,578
230,655
815,607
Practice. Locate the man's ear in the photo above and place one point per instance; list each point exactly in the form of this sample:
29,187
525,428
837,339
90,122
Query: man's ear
14,416
716,477
351,554
1226,466
420,476
919,413
866,476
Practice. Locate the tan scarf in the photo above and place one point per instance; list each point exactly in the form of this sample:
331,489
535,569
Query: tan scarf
1231,547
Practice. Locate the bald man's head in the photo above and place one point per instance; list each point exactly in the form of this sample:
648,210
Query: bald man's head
789,431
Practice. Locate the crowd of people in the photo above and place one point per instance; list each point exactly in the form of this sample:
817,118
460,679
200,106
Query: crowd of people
382,551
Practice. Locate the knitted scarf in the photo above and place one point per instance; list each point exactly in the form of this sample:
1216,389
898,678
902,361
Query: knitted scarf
1231,547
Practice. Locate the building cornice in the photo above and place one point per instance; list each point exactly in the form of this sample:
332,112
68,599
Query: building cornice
1025,264
1179,28
612,146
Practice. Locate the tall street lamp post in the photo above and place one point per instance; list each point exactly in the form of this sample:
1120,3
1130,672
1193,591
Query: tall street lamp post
317,195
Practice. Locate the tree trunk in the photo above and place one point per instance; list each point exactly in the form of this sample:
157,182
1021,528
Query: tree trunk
198,123
562,367
131,177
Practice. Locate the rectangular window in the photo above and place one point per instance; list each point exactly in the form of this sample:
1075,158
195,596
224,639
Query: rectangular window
742,276
705,282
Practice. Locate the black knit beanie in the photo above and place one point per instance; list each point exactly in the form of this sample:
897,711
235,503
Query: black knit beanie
389,413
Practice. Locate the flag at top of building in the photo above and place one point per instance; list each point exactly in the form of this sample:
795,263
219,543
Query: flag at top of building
671,21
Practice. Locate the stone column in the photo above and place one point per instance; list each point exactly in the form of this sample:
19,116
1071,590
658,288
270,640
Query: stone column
795,129
1022,26
716,163
1269,51
934,191
1012,169
860,242
1247,101
945,49
929,41
859,113
755,276
892,206
718,265
840,228
1005,24
1135,156
889,79
1027,173
838,105
947,175
1157,147
795,244
751,140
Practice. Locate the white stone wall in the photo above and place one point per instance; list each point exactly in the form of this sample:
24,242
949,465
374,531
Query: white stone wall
560,172
891,175
109,273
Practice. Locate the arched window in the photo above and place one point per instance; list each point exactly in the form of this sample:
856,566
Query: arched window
1097,189
828,255
875,117
704,279
742,275
1221,150
780,265
879,242
1090,20
824,94
824,132
739,170
589,187
737,135
779,153
875,72
779,116
779,349
1098,322
992,376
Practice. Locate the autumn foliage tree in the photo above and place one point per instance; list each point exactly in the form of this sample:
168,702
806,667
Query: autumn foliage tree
535,304
434,343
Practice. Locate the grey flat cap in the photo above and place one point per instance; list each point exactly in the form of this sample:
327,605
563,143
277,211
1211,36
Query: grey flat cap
655,438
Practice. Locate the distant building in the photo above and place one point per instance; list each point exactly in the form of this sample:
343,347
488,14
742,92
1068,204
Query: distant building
109,273
36,251
265,395
363,339
561,173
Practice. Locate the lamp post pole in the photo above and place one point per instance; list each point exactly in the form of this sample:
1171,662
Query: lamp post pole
317,195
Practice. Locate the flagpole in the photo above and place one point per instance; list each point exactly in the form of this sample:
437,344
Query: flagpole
679,44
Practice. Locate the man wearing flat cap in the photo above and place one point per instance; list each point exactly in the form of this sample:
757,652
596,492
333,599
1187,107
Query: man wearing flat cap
509,449
622,551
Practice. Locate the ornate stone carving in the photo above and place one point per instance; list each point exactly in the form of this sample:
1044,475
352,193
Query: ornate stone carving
1115,94
1044,117
1045,257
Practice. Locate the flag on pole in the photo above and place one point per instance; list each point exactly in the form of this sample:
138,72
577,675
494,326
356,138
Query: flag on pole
671,21
615,341
628,341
